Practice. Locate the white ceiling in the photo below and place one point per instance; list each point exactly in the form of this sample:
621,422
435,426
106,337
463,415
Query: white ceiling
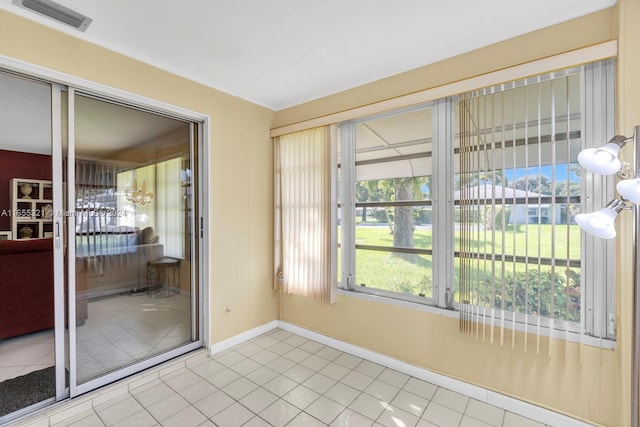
280,53
101,128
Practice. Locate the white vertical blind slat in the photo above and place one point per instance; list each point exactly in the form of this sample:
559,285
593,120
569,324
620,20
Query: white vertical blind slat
516,151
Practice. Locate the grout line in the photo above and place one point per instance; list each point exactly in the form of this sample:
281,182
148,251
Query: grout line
72,407
498,400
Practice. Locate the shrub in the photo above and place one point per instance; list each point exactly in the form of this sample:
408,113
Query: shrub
494,217
381,216
422,216
532,292
473,217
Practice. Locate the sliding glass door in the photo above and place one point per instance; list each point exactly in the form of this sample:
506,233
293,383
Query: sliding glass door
31,282
130,228
98,249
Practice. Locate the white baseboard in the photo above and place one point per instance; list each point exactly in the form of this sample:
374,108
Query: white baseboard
245,336
498,400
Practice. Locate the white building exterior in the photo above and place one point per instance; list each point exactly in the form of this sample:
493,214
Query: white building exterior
528,213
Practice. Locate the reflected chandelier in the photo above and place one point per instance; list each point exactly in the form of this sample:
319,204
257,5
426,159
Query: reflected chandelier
139,197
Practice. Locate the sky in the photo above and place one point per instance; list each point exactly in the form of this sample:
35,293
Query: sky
561,172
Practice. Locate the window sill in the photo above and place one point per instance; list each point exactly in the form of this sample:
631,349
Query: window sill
455,314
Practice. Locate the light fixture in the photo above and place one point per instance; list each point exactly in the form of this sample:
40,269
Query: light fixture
139,197
629,189
603,160
601,223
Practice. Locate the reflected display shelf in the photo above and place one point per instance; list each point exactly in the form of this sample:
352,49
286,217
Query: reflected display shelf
31,208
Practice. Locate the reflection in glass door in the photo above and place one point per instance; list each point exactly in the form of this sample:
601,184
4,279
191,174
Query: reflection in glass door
130,179
30,282
97,208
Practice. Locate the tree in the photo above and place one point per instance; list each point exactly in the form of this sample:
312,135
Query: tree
404,223
401,219
378,190
362,195
534,183
567,189
492,177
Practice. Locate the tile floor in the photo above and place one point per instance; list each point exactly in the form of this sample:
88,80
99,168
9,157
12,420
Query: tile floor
276,379
26,353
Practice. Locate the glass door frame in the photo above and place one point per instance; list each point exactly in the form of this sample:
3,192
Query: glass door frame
197,298
58,246
200,270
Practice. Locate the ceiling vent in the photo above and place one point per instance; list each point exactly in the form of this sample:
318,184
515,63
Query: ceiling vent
57,12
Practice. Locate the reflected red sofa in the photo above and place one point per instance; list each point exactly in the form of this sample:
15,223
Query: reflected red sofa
26,287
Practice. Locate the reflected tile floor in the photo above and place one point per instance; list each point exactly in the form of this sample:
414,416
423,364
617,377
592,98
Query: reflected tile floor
129,327
276,379
120,329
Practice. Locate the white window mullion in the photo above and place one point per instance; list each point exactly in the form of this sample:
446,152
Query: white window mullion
333,204
597,253
442,196
609,106
348,209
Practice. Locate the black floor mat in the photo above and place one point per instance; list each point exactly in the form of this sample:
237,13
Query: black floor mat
20,392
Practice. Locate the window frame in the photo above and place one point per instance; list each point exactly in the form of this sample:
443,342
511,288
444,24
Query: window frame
597,302
441,142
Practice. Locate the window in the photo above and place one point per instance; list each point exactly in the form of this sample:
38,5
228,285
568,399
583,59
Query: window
110,212
393,211
155,196
483,188
389,180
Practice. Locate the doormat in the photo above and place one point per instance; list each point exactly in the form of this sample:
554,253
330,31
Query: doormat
20,392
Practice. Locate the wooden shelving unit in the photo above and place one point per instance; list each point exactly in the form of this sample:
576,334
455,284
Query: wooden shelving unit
32,207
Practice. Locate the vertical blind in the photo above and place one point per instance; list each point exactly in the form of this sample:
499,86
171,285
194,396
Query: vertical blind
100,237
303,214
166,211
519,190
171,207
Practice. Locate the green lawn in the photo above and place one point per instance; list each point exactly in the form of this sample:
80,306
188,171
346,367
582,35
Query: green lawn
412,273
545,240
395,272
561,241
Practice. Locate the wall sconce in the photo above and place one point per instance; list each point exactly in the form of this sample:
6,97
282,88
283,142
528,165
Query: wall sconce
604,161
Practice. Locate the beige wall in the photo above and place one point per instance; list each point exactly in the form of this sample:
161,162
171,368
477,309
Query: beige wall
628,116
240,186
241,220
582,381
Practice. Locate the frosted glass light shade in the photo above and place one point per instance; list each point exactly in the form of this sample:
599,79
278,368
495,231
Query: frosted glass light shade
599,223
629,189
602,161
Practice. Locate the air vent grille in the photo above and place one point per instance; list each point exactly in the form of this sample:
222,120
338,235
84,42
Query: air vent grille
57,12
